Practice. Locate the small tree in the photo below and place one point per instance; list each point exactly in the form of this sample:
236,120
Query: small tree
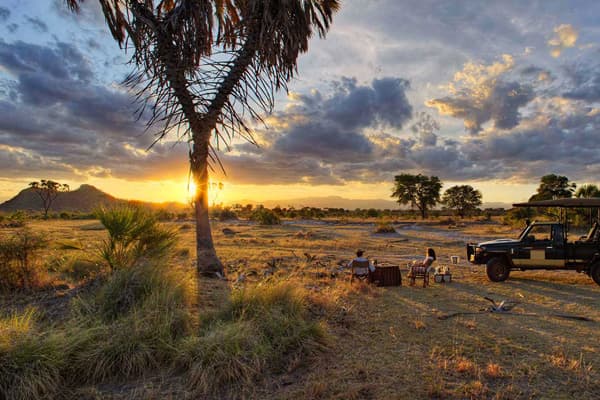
553,187
462,198
48,191
420,191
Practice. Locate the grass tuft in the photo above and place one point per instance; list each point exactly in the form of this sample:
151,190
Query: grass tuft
30,363
264,328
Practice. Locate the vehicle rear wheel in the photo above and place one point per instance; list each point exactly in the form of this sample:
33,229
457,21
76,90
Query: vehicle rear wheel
595,272
497,269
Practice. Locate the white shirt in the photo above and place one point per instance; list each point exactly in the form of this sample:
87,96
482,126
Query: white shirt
361,259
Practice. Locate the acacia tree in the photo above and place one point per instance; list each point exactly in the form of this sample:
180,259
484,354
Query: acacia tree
48,191
420,191
553,187
462,198
204,66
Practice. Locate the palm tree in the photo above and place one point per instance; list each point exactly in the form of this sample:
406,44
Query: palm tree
587,191
204,66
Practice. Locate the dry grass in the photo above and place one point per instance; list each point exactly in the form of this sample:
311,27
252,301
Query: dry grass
388,342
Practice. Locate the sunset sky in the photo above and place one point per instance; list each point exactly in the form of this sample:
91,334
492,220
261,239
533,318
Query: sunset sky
513,86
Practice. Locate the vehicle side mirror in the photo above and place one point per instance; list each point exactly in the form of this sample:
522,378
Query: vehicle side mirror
529,238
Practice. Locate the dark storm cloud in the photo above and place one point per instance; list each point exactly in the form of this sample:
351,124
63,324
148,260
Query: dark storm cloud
12,28
558,144
554,135
269,170
354,106
54,113
63,61
585,82
495,100
4,14
323,141
319,134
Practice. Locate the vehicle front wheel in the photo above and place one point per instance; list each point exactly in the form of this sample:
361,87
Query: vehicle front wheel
497,269
595,272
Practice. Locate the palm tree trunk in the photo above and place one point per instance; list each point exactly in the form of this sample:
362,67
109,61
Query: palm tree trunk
201,126
207,261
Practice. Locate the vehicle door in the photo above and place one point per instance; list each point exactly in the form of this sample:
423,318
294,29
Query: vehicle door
555,254
537,250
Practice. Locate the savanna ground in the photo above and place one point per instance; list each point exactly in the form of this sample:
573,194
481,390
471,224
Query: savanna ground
382,343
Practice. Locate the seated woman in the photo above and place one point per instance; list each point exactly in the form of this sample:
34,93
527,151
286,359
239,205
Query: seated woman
425,265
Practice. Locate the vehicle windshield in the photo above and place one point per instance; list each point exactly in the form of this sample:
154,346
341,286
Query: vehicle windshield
542,232
524,232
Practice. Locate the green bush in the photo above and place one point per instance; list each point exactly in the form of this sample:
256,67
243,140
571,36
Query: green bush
264,216
134,234
17,219
19,268
227,214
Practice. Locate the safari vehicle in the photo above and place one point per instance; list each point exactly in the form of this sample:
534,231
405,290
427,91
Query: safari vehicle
543,245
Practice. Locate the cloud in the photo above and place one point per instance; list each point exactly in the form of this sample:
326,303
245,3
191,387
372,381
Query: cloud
37,24
318,134
481,93
56,116
565,36
4,14
584,82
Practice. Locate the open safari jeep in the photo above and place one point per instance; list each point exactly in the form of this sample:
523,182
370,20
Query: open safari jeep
542,245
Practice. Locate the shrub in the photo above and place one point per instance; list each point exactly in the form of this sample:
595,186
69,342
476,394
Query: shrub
262,328
132,324
264,216
227,214
78,269
384,227
18,266
130,289
17,219
134,234
30,363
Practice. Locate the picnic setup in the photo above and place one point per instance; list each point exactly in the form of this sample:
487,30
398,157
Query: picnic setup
389,274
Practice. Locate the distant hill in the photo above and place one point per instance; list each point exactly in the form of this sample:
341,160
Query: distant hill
85,199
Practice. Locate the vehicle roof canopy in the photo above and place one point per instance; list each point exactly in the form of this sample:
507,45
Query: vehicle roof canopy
564,203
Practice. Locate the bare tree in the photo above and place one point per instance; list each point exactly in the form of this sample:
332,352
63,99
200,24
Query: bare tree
204,66
48,191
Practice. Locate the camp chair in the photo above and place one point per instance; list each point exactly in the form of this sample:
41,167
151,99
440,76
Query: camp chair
419,272
360,270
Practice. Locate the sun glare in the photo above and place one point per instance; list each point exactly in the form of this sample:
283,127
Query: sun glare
191,190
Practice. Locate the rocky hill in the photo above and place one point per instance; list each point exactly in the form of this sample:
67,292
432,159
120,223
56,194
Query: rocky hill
84,199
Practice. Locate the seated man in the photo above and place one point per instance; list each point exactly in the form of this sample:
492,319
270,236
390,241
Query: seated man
360,266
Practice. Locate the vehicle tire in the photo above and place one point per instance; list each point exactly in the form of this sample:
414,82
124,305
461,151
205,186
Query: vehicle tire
595,272
497,269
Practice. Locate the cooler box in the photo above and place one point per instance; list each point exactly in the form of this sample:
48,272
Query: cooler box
442,278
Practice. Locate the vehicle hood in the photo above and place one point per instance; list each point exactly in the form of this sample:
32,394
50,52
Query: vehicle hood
498,242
